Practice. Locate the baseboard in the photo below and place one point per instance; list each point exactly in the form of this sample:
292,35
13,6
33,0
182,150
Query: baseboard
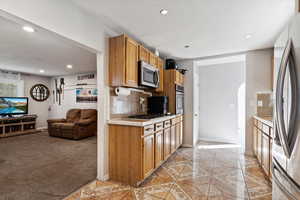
187,145
105,178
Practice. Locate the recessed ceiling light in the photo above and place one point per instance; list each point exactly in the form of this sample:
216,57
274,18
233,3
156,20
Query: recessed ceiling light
42,71
163,11
28,29
69,66
248,36
187,46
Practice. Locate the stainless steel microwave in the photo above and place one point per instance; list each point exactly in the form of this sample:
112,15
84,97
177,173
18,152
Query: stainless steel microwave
148,75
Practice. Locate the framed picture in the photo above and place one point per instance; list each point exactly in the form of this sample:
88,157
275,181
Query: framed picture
86,95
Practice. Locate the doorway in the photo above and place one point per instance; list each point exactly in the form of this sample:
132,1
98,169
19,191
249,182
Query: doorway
219,101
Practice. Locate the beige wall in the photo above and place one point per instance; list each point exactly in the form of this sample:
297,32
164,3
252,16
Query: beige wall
258,79
34,107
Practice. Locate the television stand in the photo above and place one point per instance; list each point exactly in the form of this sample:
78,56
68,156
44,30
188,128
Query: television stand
21,125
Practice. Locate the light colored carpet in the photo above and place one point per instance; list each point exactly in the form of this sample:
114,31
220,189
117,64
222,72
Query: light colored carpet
39,167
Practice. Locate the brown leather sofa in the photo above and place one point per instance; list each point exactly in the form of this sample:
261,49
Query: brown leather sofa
79,123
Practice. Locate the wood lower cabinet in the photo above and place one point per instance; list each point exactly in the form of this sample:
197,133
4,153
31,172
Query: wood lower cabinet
262,145
259,143
167,142
149,155
135,152
265,158
159,148
173,139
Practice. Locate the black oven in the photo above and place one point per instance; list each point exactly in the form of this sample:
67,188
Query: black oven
148,75
179,93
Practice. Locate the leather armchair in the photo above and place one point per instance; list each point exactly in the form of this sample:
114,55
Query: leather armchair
79,123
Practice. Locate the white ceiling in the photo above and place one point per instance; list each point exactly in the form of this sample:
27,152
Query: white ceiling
210,27
30,52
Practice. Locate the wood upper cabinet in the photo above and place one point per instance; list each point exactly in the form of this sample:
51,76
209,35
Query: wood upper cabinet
159,150
153,59
167,142
131,63
179,78
160,66
123,61
148,155
144,54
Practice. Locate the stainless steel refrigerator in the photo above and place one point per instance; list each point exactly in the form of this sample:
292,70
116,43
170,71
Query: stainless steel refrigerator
286,145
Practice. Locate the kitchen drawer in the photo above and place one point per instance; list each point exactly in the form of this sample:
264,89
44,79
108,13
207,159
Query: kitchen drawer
266,129
159,126
174,121
167,123
180,118
148,129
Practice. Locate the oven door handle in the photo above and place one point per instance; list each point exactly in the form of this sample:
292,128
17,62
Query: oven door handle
276,167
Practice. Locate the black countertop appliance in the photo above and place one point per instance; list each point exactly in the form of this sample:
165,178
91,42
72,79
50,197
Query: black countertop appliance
158,105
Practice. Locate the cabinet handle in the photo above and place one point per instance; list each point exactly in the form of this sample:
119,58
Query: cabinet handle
148,129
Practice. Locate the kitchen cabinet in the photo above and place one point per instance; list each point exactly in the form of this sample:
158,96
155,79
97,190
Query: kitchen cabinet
149,155
171,78
160,66
153,60
265,160
123,61
124,54
167,142
144,54
173,139
159,150
259,143
262,145
135,152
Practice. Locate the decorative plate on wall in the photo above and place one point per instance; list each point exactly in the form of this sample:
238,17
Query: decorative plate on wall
40,92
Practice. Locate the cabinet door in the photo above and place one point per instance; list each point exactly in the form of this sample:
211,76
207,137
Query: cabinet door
153,60
181,134
177,141
266,154
144,54
167,142
259,143
131,70
270,156
148,154
159,153
255,140
173,138
160,66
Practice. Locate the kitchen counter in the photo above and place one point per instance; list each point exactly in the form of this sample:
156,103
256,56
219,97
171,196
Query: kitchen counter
266,120
140,122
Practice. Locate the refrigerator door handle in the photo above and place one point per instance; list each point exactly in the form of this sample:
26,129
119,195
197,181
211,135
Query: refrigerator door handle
286,140
276,167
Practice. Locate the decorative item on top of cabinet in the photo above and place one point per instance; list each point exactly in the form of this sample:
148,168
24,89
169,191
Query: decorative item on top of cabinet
123,61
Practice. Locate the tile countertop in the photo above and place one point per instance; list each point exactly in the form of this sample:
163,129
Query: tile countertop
266,120
139,122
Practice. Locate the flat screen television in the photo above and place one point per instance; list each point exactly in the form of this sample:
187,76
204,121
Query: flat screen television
13,106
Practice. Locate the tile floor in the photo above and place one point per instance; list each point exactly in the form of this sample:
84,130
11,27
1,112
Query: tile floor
198,174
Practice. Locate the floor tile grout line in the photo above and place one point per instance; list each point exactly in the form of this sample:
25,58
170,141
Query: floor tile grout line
244,177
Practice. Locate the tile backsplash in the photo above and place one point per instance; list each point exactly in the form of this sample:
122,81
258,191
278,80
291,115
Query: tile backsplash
264,104
123,106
